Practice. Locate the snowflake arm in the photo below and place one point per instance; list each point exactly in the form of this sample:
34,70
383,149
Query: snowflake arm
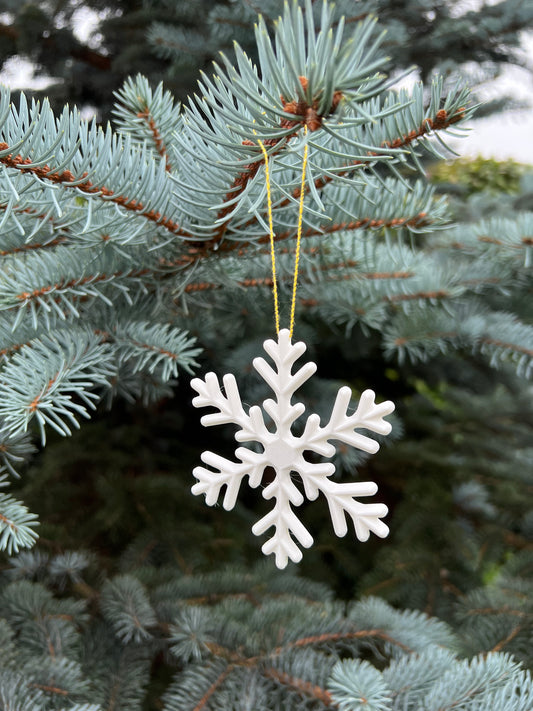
342,426
366,517
252,426
229,474
283,382
282,518
229,406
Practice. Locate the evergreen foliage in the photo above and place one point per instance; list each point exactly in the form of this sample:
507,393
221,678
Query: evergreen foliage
229,640
479,175
135,255
113,243
169,41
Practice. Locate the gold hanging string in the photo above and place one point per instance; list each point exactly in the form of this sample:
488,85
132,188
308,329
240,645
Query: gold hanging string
271,228
298,235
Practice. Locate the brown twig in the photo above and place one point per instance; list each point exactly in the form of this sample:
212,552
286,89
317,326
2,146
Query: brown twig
403,340
304,688
267,281
27,296
504,642
509,346
339,637
156,136
364,223
214,686
439,294
442,121
240,248
49,689
35,245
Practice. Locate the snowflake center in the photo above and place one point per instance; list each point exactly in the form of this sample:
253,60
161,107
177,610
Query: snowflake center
283,453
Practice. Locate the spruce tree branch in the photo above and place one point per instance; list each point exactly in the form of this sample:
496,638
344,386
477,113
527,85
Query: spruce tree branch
34,404
267,281
85,590
49,689
507,346
230,655
419,220
383,584
16,525
304,688
195,254
51,647
305,114
497,611
7,522
31,212
479,282
426,295
33,246
244,283
90,279
67,179
12,349
441,122
387,275
239,184
339,637
404,340
504,642
525,241
154,349
202,704
490,240
114,694
356,18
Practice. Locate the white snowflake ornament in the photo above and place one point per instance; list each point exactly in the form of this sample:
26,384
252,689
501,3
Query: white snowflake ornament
284,451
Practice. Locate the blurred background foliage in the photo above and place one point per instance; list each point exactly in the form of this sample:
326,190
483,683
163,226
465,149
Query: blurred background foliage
476,175
86,48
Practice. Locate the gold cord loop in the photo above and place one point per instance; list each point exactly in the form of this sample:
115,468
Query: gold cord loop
272,237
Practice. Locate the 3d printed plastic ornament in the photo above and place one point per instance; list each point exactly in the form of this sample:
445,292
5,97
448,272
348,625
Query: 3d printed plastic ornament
284,451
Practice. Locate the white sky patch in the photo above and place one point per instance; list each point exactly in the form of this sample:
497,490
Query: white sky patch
18,73
85,21
508,134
